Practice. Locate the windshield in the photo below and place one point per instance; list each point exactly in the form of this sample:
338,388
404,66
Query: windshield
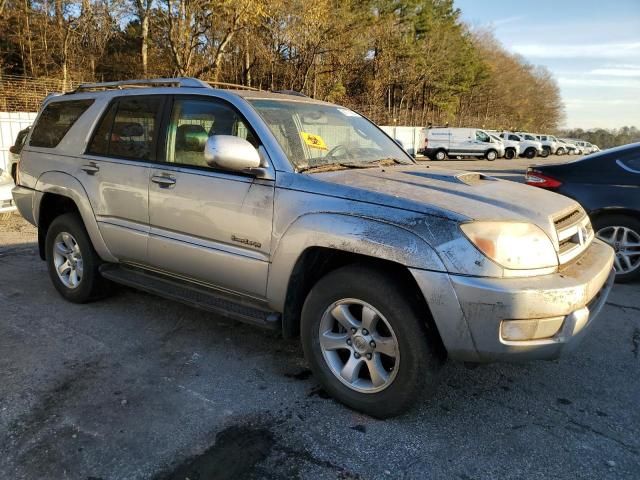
315,135
530,137
497,139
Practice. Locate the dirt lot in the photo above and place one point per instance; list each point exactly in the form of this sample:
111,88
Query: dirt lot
138,387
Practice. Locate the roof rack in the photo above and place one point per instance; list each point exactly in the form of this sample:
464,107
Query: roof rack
231,85
185,82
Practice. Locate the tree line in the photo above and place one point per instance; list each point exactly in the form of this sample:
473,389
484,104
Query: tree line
405,62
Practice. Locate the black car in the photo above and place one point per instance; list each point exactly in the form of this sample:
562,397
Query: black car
607,184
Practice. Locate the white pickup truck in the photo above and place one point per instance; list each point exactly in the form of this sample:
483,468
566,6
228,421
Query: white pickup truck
529,145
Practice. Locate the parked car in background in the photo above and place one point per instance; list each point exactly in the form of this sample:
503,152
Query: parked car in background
568,148
607,185
586,147
511,148
529,147
7,205
441,143
304,217
550,145
14,152
577,149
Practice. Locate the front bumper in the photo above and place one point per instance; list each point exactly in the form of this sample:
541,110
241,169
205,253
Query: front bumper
469,311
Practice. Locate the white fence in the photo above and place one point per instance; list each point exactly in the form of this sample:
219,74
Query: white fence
411,138
10,124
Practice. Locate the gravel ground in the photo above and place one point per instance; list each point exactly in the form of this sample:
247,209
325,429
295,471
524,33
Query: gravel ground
137,387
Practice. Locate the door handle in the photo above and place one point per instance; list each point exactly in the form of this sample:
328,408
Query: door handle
90,168
163,181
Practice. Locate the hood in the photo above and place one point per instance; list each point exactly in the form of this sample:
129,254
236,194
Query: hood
454,193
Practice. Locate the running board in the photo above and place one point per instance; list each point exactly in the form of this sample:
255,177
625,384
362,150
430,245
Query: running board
227,305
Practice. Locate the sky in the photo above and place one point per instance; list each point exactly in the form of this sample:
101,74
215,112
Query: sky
592,48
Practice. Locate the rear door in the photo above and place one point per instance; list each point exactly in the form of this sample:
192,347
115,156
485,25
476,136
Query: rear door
115,172
209,225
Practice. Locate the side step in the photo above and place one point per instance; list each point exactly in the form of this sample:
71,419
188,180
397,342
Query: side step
227,305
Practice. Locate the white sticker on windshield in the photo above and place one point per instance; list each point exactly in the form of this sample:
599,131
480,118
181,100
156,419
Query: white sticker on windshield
348,113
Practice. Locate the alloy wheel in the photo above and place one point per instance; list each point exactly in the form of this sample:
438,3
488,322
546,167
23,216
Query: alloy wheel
359,345
67,260
626,243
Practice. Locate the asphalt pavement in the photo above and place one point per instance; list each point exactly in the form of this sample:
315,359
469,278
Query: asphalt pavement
138,387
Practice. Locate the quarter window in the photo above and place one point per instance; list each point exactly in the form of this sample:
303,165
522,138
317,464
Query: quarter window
193,121
55,121
129,128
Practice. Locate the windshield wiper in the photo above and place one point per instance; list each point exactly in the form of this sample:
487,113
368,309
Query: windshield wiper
333,166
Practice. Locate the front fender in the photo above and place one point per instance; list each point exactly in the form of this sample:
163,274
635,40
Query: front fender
347,233
63,184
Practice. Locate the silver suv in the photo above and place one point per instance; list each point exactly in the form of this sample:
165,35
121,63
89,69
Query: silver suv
303,216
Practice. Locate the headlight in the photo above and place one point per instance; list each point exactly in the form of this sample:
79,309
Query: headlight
517,246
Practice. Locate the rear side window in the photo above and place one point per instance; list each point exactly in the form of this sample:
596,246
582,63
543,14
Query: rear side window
129,128
55,121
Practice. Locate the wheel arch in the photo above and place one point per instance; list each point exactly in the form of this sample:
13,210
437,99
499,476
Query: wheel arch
318,243
603,212
60,193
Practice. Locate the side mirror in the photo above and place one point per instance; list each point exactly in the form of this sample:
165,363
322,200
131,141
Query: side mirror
230,153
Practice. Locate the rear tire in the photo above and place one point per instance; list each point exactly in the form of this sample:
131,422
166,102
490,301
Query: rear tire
440,155
72,261
530,153
392,363
622,232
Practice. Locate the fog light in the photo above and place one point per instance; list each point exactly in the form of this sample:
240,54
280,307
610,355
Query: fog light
535,329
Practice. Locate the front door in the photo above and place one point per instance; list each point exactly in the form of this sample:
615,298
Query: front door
209,225
115,173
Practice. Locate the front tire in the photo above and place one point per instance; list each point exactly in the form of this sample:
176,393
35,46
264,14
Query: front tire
509,154
365,343
622,232
546,151
72,261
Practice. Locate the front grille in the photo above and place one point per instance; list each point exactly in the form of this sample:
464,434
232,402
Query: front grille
574,232
570,219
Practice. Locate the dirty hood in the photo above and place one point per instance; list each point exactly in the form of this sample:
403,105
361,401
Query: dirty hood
454,193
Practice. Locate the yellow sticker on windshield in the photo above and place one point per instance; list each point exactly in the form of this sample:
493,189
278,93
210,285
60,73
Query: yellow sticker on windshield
313,140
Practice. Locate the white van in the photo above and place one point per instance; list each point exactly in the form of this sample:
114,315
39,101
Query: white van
441,143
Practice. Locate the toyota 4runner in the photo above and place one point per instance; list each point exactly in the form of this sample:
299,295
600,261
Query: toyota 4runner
303,216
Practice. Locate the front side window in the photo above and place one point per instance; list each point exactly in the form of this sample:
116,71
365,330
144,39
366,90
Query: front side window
55,121
317,135
193,121
482,137
129,128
